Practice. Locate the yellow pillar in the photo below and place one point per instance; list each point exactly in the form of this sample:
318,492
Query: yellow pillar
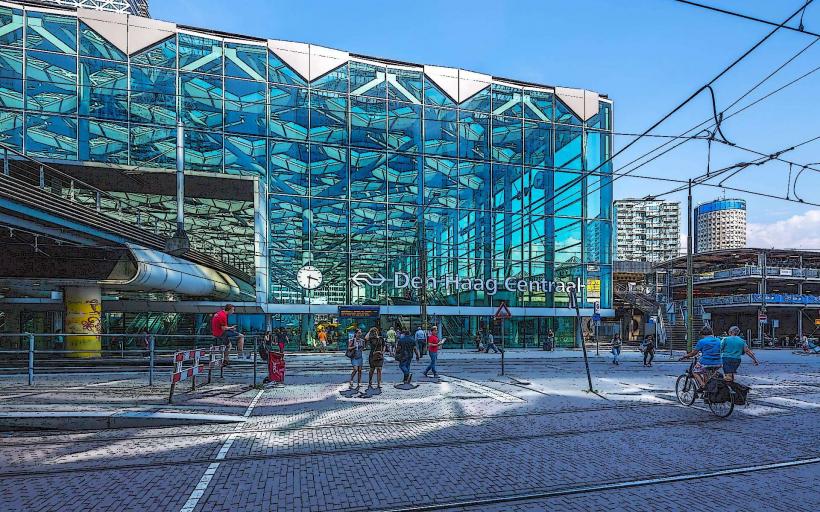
83,321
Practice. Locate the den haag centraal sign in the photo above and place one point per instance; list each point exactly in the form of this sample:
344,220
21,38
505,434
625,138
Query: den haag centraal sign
490,286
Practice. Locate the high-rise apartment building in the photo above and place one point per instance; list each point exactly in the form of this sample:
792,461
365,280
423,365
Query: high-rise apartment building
647,230
138,7
720,224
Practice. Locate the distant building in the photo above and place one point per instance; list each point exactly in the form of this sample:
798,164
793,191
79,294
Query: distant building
138,7
720,224
647,230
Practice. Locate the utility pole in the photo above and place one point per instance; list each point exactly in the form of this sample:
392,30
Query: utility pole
179,244
422,254
690,301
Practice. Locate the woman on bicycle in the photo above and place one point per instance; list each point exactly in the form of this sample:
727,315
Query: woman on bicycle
710,361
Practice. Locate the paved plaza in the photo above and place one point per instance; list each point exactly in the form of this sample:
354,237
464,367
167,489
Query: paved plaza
532,439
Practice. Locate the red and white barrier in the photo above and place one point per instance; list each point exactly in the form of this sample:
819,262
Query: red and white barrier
179,373
217,359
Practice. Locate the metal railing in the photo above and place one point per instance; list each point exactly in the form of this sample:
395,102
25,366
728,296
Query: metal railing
753,271
44,353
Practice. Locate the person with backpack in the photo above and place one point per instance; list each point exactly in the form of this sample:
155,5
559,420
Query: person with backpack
421,341
405,350
355,347
648,349
375,360
731,349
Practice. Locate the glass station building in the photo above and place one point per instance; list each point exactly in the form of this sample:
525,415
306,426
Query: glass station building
369,170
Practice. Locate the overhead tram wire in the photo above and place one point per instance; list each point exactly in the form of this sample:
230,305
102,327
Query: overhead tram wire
800,29
704,87
684,138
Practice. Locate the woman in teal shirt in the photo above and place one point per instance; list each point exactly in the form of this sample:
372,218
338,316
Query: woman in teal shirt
731,349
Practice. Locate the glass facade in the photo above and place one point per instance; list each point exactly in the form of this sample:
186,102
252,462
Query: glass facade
371,167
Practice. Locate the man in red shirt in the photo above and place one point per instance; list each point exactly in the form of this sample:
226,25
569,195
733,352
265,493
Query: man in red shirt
225,333
433,343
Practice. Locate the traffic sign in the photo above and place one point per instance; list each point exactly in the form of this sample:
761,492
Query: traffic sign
596,317
502,312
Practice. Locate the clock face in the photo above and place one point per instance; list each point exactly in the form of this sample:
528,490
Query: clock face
309,277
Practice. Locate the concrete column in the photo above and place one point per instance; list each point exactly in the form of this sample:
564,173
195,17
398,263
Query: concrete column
83,321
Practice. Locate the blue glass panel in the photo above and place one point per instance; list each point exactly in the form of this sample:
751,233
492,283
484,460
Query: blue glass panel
289,163
563,114
328,117
568,188
203,151
508,184
538,105
328,171
11,27
440,132
598,242
162,54
403,173
289,112
567,241
288,217
368,175
335,80
201,100
153,95
368,230
246,61
329,224
52,82
598,150
474,185
440,182
11,129
507,100
368,122
508,146
598,196
245,107
200,54
401,228
404,127
568,148
367,80
281,73
103,141
51,32
93,44
473,135
479,102
104,89
433,95
537,144
405,85
11,78
153,146
51,137
245,155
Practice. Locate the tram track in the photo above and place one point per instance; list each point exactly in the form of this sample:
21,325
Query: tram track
715,424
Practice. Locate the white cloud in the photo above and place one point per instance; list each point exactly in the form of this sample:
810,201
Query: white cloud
796,232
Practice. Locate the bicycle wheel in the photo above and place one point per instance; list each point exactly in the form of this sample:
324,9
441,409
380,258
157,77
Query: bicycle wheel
723,409
685,390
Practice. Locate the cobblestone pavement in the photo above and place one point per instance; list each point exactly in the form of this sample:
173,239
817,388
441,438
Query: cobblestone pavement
532,438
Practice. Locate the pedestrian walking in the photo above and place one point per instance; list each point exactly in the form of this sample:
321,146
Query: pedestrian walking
478,346
648,349
731,349
375,360
421,341
489,343
391,341
433,343
322,340
549,345
616,348
355,346
404,354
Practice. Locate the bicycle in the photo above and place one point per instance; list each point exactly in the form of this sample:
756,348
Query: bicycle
687,391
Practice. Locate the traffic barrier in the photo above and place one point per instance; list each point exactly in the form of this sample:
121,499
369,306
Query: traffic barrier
217,358
179,373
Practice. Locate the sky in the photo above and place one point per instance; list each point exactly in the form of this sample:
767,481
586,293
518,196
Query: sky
646,55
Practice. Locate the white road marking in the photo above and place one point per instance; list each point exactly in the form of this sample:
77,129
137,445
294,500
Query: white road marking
199,490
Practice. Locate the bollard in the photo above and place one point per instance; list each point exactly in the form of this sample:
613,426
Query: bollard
151,360
30,359
255,351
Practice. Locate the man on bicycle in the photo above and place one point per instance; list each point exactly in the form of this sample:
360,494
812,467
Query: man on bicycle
710,361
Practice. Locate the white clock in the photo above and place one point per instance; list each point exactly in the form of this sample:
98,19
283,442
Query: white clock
309,277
